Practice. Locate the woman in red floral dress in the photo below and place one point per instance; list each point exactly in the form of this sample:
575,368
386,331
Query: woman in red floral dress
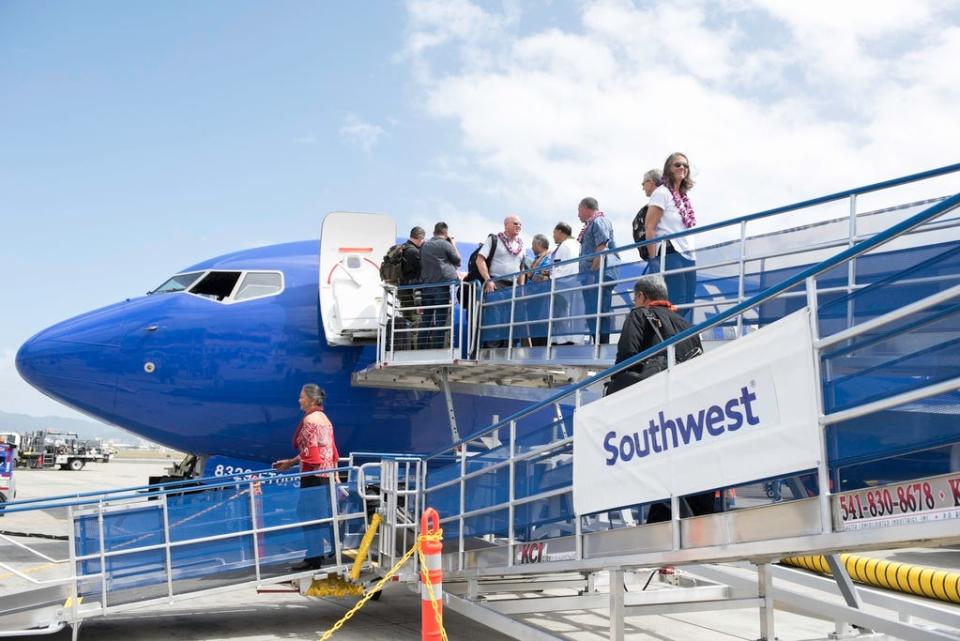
316,450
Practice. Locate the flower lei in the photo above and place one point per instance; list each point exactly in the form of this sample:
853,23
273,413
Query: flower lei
663,303
687,215
508,244
587,224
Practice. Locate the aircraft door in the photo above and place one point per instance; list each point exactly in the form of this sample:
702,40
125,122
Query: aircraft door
351,248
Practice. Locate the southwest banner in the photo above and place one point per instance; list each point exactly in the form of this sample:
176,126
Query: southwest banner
743,412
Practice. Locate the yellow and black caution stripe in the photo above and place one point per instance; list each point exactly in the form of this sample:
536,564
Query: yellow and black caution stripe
920,580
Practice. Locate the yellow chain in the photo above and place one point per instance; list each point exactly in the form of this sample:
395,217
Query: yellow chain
438,536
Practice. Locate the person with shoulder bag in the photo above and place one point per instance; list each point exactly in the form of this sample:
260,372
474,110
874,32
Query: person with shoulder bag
653,320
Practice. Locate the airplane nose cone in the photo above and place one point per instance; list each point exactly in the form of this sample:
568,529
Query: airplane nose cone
76,361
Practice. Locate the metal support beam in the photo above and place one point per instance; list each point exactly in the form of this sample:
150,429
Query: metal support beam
765,594
617,612
443,382
844,582
815,605
494,620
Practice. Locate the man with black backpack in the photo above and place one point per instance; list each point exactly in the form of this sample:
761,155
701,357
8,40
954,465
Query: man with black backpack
652,320
497,260
401,266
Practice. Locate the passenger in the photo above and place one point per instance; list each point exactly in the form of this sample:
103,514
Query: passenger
439,259
540,267
652,320
565,266
506,252
317,450
651,180
669,212
597,236
411,299
538,283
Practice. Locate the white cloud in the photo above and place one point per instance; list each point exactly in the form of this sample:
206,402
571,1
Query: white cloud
773,101
363,134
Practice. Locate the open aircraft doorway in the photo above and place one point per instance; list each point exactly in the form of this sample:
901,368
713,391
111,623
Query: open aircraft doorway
351,246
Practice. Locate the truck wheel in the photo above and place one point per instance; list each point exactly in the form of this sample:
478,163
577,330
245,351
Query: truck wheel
76,464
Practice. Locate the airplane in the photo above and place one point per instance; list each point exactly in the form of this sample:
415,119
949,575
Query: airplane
211,362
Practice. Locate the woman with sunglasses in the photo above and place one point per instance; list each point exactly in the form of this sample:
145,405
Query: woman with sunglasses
669,212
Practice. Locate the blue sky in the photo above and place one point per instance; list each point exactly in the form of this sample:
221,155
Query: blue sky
138,138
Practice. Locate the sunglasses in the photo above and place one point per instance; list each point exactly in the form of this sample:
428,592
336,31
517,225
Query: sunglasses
678,165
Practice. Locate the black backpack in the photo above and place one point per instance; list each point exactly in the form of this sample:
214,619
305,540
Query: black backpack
391,267
640,232
473,273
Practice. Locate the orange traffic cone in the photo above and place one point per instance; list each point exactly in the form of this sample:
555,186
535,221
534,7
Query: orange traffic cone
431,573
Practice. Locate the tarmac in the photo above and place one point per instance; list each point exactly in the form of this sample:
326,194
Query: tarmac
245,614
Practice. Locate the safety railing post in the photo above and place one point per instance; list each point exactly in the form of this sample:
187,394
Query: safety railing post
254,488
103,557
72,555
553,290
395,297
675,521
452,303
461,321
335,515
823,468
597,328
481,295
742,264
513,304
461,554
578,520
511,493
167,553
852,264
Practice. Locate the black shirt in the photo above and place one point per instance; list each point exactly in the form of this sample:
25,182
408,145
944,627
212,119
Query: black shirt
410,267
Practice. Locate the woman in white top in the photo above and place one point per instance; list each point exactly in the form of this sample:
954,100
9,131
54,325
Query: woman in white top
670,211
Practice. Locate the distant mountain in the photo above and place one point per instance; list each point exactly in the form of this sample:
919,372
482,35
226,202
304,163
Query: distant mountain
85,429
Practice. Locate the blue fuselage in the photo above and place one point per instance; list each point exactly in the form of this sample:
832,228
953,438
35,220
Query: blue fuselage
226,377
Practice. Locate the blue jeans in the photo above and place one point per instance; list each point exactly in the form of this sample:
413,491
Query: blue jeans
606,301
682,287
435,295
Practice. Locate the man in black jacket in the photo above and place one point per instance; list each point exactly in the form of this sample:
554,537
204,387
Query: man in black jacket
411,299
653,320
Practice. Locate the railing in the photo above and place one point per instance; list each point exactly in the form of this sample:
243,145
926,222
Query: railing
424,323
170,541
590,306
508,495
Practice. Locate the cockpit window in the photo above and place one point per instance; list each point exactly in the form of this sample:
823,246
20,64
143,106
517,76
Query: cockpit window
216,285
257,284
178,283
222,286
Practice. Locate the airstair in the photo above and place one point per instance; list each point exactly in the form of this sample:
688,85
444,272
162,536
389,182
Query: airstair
826,401
133,547
852,318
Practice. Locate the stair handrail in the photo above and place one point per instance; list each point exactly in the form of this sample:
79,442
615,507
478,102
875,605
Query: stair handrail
773,291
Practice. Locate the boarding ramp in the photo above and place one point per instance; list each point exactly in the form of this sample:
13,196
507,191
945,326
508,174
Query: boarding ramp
133,547
544,334
862,384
